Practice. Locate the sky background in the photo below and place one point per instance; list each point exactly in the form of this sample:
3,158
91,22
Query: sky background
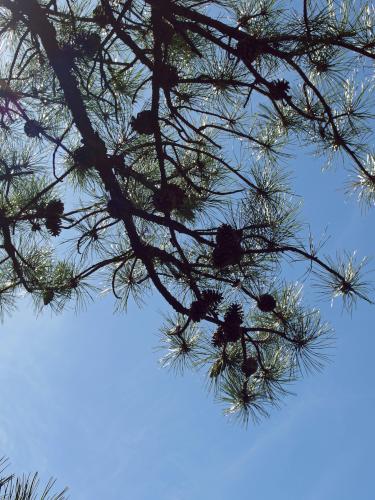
82,398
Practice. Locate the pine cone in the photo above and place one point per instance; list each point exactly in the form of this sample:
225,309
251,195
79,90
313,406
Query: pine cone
144,123
33,128
53,224
234,314
83,158
266,303
168,77
228,250
54,208
212,298
250,366
250,50
226,256
232,333
168,198
226,233
232,323
209,301
218,338
198,310
88,44
278,90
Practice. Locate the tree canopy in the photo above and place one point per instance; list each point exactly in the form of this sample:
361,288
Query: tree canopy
141,150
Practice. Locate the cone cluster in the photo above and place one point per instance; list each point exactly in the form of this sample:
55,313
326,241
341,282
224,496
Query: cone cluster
83,158
88,45
168,77
208,303
230,330
250,50
144,122
228,250
169,197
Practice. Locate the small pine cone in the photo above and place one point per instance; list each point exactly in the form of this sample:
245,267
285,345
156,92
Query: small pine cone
232,323
168,198
32,128
83,158
187,207
226,256
225,233
218,338
48,296
198,310
54,208
234,314
168,77
144,123
266,303
228,250
250,50
232,332
53,224
212,298
209,301
89,44
250,366
279,89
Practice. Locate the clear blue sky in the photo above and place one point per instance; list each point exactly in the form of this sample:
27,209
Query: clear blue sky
82,398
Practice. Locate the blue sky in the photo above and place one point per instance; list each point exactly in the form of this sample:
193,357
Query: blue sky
82,398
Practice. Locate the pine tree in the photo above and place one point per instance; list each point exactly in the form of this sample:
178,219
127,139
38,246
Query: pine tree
120,123
26,487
